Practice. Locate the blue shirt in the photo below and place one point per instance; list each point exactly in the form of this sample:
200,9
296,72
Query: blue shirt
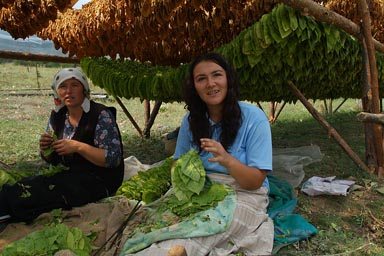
252,145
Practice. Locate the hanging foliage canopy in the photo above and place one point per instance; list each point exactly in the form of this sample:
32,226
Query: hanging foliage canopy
268,44
283,45
163,32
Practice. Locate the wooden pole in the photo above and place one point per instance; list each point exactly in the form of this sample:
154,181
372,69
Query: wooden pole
371,118
325,106
272,110
259,105
147,111
370,151
339,106
331,131
309,7
151,119
37,57
280,109
129,115
374,100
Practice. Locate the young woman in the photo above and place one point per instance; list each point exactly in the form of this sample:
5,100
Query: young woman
234,141
83,136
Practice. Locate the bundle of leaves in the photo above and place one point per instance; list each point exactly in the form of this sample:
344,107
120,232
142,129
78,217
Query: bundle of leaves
12,176
169,210
50,150
149,185
206,199
188,175
50,240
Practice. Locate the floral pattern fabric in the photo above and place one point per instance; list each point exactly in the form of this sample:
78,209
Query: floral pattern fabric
106,137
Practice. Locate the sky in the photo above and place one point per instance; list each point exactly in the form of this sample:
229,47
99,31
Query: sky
80,3
31,43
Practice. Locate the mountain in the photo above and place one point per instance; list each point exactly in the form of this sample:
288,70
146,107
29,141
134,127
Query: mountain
32,44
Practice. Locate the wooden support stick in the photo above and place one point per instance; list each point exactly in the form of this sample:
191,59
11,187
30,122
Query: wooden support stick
339,106
147,111
129,116
374,102
151,119
320,13
259,105
37,57
331,131
280,110
272,110
371,117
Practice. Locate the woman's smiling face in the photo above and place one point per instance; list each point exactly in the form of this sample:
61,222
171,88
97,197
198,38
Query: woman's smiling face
210,81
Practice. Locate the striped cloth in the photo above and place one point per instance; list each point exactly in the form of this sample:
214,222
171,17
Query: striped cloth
251,231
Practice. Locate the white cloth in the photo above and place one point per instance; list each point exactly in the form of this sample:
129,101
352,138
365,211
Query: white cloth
70,73
326,186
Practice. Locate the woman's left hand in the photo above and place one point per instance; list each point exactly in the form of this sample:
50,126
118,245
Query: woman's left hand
65,146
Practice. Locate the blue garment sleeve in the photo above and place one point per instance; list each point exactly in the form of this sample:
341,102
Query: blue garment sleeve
107,137
259,146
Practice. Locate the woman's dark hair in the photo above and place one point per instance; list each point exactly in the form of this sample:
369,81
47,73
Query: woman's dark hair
198,118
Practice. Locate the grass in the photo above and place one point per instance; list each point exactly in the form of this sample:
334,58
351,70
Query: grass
347,225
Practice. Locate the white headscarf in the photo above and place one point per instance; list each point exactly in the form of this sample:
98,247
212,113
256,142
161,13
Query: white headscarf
69,73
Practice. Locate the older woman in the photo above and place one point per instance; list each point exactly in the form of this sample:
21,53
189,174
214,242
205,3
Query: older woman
81,135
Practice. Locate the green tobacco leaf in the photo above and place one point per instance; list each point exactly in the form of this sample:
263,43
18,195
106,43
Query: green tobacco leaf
279,21
248,52
247,47
188,175
148,185
380,190
49,240
50,150
293,23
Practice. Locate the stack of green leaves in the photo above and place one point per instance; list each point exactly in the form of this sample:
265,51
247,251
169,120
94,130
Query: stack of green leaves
188,175
208,198
149,185
12,176
50,240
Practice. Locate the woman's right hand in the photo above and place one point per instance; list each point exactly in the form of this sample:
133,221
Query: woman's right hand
45,141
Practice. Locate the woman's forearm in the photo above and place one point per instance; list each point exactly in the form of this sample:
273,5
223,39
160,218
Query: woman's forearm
92,154
248,177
